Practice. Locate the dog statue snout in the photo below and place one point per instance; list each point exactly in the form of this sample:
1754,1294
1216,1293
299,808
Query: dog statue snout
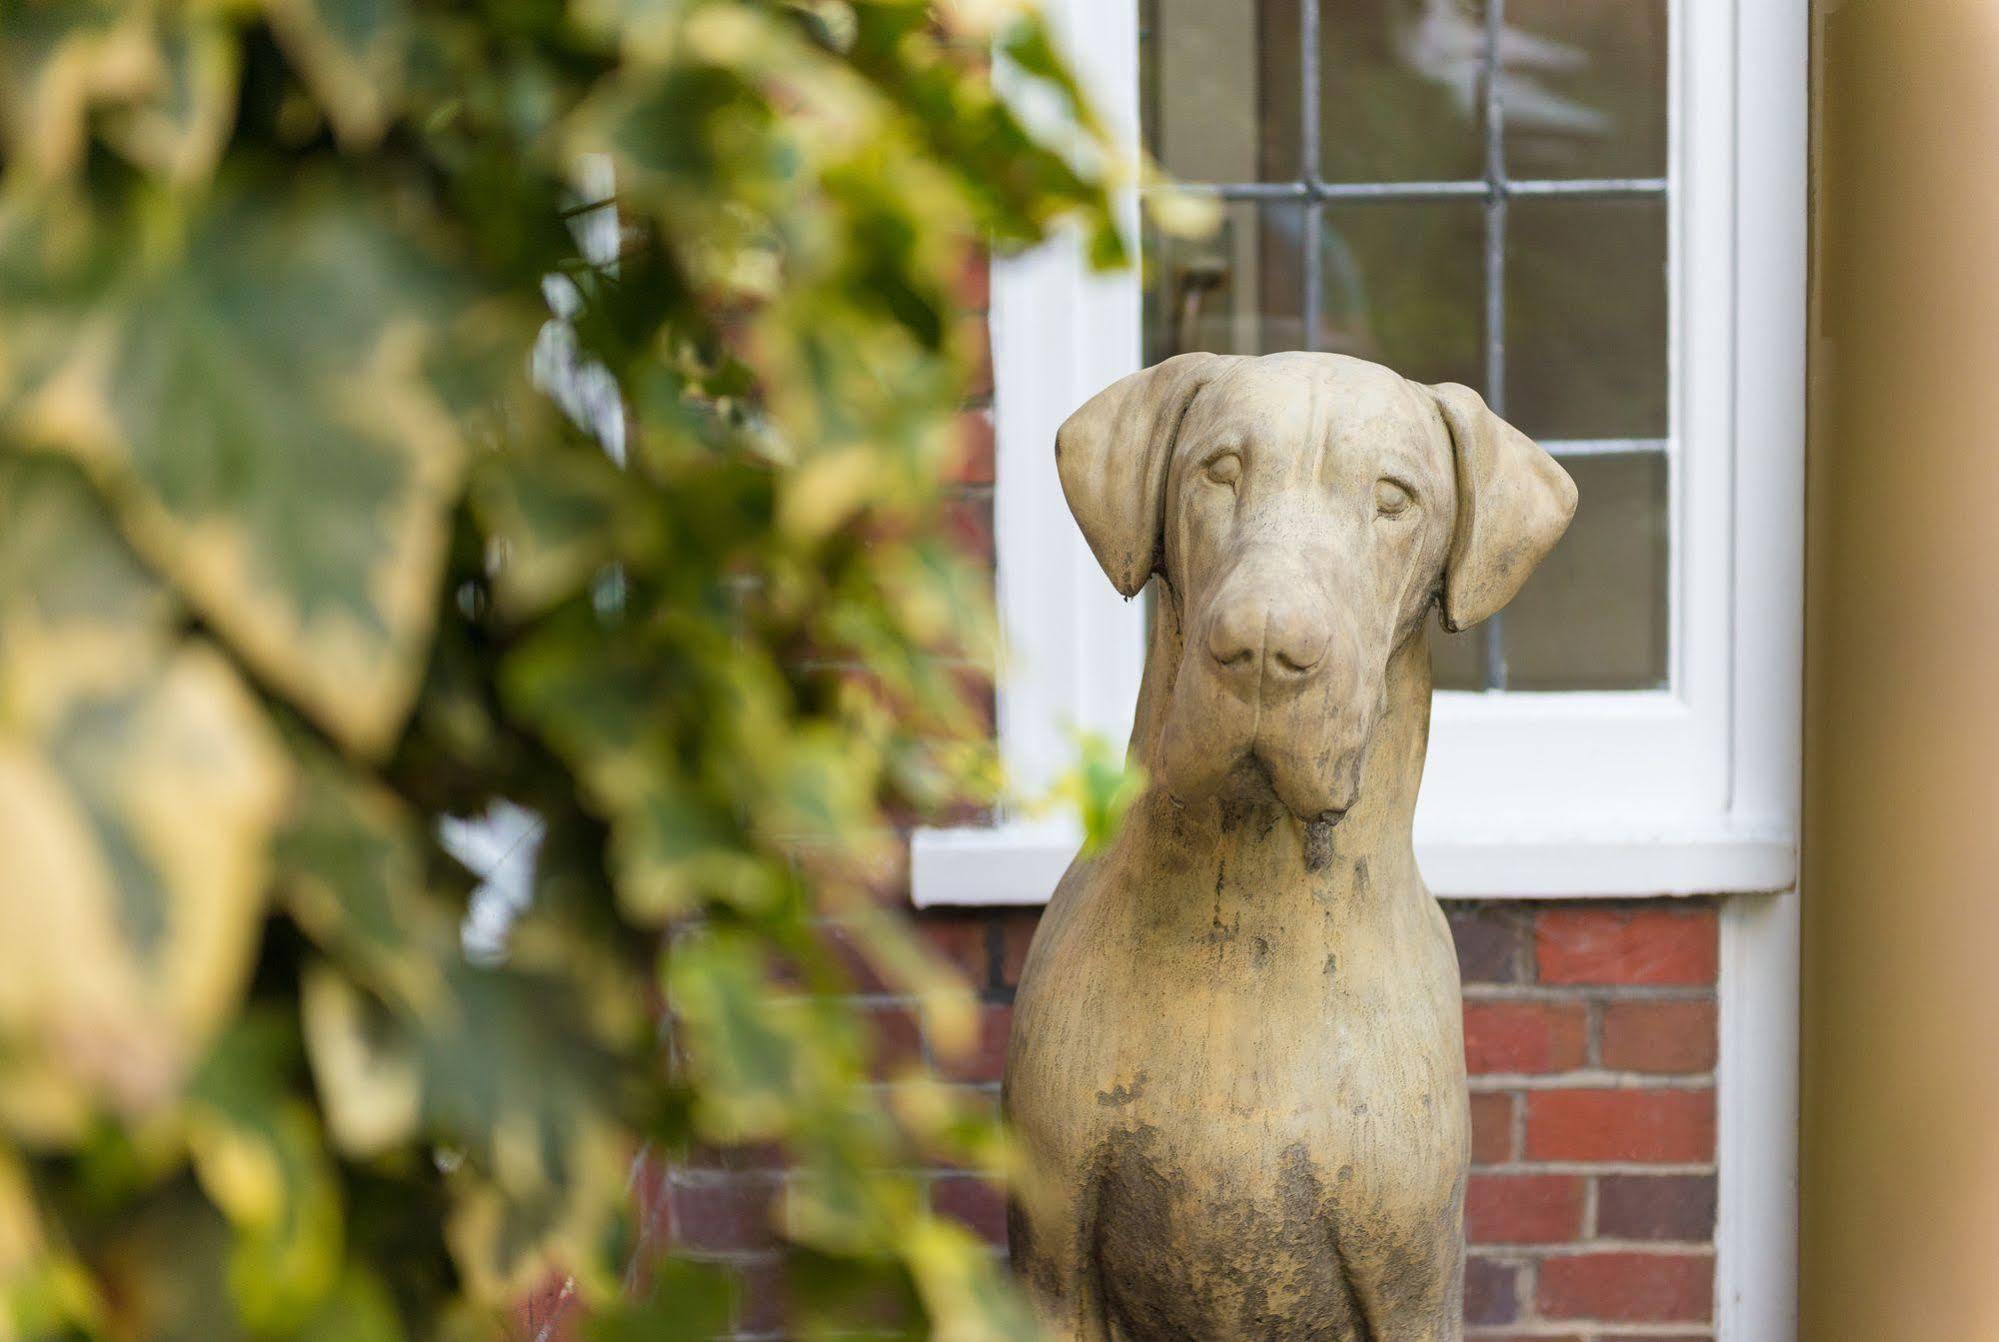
1277,639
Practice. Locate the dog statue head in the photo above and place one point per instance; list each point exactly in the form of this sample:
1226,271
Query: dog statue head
1305,511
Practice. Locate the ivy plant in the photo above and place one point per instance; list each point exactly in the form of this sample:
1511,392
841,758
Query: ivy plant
303,568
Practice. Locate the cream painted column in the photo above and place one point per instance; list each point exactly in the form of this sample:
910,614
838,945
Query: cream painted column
1900,1160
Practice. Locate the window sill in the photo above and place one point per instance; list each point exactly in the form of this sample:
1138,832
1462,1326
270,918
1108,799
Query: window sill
1020,863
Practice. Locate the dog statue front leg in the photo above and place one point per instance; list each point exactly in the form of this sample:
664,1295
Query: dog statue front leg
1053,1259
1409,1301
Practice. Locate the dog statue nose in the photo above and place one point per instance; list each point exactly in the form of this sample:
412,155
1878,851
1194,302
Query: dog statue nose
1282,638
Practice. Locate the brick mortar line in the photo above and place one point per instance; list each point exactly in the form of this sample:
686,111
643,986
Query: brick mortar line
1581,1078
1653,1248
1524,1328
1581,995
729,1257
1525,1285
1516,1128
1478,994
1664,1167
1586,1327
1591,1078
1588,992
948,661
710,1176
707,1176
1561,1328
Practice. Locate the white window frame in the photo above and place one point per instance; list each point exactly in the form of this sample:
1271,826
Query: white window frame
1691,790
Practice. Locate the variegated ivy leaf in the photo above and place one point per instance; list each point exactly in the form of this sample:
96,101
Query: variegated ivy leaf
367,1074
690,1302
165,78
249,380
963,1290
360,1309
504,1071
759,1061
163,1266
57,60
1101,787
139,788
351,872
22,1244
351,55
258,1156
615,705
178,127
510,1073
507,1241
561,517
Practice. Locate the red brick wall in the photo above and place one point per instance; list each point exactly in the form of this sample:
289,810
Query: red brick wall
1590,1037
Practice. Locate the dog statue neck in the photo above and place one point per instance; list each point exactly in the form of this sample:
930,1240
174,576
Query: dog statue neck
1244,827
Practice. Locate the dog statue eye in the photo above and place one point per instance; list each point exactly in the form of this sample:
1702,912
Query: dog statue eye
1225,469
1391,499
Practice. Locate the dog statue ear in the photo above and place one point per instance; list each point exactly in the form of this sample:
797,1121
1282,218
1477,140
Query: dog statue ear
1113,453
1514,503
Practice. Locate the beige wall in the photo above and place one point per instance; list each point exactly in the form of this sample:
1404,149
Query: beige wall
1900,1169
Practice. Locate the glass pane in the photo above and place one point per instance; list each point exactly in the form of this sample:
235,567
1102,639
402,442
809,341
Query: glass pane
1584,89
1586,317
1457,661
1401,90
1220,88
1404,286
1240,291
1593,616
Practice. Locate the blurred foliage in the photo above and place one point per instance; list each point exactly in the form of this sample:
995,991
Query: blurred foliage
1100,788
298,567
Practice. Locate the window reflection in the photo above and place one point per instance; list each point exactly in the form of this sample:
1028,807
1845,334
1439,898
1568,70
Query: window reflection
1529,263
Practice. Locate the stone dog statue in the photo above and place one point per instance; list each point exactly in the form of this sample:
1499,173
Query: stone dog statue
1236,1056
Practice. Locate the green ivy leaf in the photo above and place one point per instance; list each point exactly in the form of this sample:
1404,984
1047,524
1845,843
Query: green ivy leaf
164,1267
258,1155
561,518
963,1290
139,789
351,52
57,60
758,1059
1102,786
359,1309
249,381
164,80
246,248
178,129
369,1077
511,1065
690,1302
507,1241
352,874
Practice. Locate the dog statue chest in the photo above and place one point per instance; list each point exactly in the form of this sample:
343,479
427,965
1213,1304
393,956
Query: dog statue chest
1231,989
1264,1064
1236,1064
1212,992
